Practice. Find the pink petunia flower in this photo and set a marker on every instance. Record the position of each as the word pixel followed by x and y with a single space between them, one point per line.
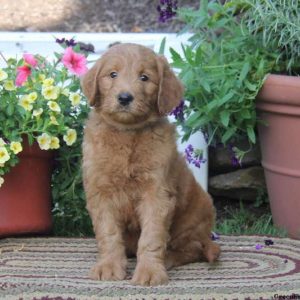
pixel 74 62
pixel 22 74
pixel 30 60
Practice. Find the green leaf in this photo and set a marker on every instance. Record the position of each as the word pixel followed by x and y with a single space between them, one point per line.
pixel 203 7
pixel 57 55
pixel 212 104
pixel 175 56
pixel 30 139
pixel 244 72
pixel 228 134
pixel 10 109
pixel 225 117
pixel 245 114
pixel 251 134
pixel 3 101
pixel 193 118
pixel 226 98
pixel 198 56
pixel 250 86
pixel 162 46
pixel 205 85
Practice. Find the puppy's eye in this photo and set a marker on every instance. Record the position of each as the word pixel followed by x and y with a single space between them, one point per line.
pixel 144 77
pixel 113 74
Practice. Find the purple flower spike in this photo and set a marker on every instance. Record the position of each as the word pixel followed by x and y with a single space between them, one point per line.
pixel 167 10
pixel 234 160
pixel 189 153
pixel 71 43
pixel 258 246
pixel 178 113
pixel 194 157
pixel 68 43
pixel 215 236
pixel 197 163
pixel 190 148
pixel 60 41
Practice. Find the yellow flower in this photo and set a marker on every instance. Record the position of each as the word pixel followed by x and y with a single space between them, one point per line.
pixel 25 103
pixel 75 99
pixel 70 137
pixel 3 75
pixel 44 141
pixel 48 82
pixel 4 156
pixel 32 97
pixel 54 144
pixel 16 147
pixel 53 120
pixel 66 92
pixel 1 181
pixel 9 85
pixel 42 77
pixel 2 143
pixel 37 112
pixel 54 106
pixel 50 92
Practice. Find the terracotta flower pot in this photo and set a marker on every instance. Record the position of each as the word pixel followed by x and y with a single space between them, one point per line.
pixel 25 196
pixel 279 106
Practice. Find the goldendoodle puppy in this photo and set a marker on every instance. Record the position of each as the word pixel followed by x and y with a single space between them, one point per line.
pixel 141 196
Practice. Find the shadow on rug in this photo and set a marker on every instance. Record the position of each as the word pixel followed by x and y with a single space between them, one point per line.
pixel 56 268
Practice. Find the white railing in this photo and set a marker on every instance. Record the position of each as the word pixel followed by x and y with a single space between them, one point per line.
pixel 12 43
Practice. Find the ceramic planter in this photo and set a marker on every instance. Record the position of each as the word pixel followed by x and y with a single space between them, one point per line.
pixel 25 196
pixel 279 106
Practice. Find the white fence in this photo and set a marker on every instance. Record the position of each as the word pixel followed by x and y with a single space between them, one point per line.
pixel 13 44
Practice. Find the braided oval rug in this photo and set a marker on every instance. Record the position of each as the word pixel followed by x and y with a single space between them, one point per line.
pixel 57 268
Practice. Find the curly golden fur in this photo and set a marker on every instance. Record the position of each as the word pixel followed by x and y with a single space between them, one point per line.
pixel 142 198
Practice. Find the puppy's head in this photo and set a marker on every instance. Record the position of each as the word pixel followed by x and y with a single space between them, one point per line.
pixel 131 85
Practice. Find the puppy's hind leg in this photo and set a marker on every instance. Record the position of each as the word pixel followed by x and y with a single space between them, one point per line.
pixel 192 251
pixel 211 251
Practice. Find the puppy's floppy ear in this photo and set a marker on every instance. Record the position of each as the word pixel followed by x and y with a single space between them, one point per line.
pixel 89 84
pixel 171 90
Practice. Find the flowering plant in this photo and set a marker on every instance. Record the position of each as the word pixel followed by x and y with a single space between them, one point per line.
pixel 40 100
pixel 234 44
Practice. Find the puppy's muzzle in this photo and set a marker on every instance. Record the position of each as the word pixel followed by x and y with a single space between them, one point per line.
pixel 125 98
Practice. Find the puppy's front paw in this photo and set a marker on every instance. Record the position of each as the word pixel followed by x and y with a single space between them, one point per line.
pixel 107 271
pixel 150 274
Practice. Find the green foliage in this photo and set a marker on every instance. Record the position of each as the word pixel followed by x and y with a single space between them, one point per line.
pixel 70 215
pixel 262 198
pixel 278 24
pixel 242 221
pixel 224 66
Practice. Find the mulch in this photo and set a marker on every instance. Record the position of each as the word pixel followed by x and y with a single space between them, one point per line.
pixel 86 16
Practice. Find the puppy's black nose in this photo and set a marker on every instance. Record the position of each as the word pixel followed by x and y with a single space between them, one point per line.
pixel 125 98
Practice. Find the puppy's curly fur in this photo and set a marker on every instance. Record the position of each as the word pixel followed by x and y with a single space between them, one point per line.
pixel 141 196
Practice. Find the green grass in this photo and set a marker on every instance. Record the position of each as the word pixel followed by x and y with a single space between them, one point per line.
pixel 241 221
